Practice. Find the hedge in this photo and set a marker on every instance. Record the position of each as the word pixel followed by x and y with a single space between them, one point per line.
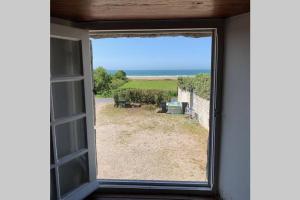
pixel 144 96
pixel 200 84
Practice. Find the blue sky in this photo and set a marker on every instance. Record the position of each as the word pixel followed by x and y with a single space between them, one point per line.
pixel 160 53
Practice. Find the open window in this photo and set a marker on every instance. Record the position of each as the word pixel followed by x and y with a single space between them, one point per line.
pixel 72 168
pixel 203 107
pixel 73 150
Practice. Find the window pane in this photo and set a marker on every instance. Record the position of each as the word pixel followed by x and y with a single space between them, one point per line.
pixel 66 57
pixel 68 98
pixel 53 194
pixel 70 137
pixel 73 174
pixel 51 148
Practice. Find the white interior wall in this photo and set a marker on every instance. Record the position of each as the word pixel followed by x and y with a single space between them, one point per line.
pixel 234 174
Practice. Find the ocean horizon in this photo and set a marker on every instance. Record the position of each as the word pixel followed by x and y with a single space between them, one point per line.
pixel 146 73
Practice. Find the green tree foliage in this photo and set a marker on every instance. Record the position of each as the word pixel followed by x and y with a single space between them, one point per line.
pixel 120 74
pixel 118 79
pixel 116 83
pixel 102 80
pixel 104 83
pixel 200 84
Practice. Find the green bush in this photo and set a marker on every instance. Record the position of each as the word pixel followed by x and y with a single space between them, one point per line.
pixel 144 96
pixel 105 94
pixel 186 83
pixel 115 83
pixel 102 81
pixel 200 84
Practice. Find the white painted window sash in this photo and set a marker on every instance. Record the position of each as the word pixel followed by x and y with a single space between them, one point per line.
pixel 75 34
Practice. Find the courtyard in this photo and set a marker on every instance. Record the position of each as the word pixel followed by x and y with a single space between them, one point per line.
pixel 143 144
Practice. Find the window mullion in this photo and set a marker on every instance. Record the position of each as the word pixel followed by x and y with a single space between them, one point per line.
pixel 71 156
pixel 54 146
pixel 68 119
pixel 66 79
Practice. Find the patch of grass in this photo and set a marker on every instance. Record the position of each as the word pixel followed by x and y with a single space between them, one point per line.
pixel 152 84
pixel 111 111
pixel 146 117
pixel 149 107
pixel 193 127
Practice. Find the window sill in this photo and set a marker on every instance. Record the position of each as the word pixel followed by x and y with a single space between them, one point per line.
pixel 111 196
pixel 154 188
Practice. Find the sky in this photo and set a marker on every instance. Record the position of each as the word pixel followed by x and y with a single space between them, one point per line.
pixel 160 53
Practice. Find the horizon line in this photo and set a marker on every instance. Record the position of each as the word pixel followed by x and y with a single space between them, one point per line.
pixel 155 69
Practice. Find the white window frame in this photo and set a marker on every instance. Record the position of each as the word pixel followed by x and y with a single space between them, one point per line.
pixel 75 34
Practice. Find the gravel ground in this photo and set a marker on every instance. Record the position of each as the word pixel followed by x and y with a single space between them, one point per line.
pixel 140 144
pixel 104 100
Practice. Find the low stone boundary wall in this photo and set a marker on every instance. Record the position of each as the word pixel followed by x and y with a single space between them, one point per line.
pixel 199 106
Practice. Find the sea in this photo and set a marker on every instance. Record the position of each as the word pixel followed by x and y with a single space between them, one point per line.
pixel 181 72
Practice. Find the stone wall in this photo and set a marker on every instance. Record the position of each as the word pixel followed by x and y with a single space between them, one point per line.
pixel 199 106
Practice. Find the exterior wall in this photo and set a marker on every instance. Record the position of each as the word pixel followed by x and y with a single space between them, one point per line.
pixel 234 170
pixel 200 106
pixel 183 96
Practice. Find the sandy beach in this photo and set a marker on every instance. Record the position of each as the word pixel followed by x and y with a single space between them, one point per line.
pixel 156 77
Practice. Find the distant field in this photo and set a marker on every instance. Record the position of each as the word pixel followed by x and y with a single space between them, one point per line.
pixel 152 84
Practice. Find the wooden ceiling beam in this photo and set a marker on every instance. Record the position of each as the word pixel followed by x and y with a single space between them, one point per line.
pixel 103 10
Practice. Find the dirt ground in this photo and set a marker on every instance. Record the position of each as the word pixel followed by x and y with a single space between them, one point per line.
pixel 141 144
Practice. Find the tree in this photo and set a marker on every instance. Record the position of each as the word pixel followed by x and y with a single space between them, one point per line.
pixel 116 83
pixel 102 80
pixel 120 74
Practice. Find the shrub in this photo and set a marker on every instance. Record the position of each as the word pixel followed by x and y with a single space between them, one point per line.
pixel 105 94
pixel 144 96
pixel 186 83
pixel 200 84
pixel 115 83
pixel 102 80
pixel 104 83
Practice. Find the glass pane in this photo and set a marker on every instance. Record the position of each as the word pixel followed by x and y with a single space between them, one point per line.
pixel 51 148
pixel 70 137
pixel 53 194
pixel 73 174
pixel 68 98
pixel 66 59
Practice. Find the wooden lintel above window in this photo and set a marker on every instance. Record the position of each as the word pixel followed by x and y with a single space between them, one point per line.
pixel 103 10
